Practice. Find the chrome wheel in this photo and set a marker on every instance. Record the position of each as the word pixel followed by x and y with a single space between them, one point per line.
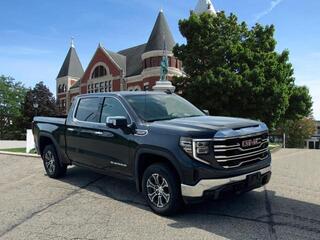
pixel 158 190
pixel 49 161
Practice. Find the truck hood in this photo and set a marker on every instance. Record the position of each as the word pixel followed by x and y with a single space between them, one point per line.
pixel 208 124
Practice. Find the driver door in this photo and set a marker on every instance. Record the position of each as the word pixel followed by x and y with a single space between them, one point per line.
pixel 113 144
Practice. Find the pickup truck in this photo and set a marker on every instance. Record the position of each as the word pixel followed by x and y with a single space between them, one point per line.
pixel 174 152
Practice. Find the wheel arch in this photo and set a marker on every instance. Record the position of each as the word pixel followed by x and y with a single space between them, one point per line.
pixel 148 156
pixel 46 139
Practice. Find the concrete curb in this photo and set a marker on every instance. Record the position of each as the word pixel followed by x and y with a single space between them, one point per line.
pixel 20 154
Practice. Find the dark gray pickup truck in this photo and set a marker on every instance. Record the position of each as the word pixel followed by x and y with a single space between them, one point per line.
pixel 174 152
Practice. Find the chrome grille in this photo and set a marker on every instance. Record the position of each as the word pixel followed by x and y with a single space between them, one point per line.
pixel 241 151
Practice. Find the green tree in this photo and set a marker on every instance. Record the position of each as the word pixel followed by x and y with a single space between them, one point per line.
pixel 300 103
pixel 235 71
pixel 297 131
pixel 45 100
pixel 12 94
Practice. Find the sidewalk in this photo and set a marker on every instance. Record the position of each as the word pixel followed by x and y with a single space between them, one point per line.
pixel 4 144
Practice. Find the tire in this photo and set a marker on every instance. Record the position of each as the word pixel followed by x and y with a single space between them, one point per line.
pixel 52 164
pixel 162 195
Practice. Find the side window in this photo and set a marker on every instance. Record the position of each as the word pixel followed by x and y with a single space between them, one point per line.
pixel 88 110
pixel 112 108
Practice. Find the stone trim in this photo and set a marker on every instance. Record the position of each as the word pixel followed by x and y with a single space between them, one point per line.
pixel 155 72
pixel 137 78
pixel 96 65
pixel 156 53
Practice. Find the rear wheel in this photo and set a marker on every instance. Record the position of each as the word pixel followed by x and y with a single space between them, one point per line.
pixel 161 189
pixel 52 164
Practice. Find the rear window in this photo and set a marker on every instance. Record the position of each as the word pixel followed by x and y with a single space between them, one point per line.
pixel 88 110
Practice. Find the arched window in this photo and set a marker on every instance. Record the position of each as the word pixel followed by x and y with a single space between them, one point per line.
pixel 59 89
pixel 99 71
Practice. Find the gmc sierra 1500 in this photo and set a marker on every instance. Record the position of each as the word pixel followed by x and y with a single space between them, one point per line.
pixel 173 151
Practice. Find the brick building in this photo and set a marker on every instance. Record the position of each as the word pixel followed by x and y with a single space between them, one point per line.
pixel 314 141
pixel 132 69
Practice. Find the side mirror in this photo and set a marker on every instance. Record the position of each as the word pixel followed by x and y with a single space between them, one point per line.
pixel 117 122
pixel 206 112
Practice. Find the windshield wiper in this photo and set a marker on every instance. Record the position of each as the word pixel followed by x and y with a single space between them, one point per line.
pixel 194 116
pixel 165 119
pixel 160 119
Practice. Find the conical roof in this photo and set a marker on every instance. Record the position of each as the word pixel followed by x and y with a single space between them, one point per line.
pixel 204 6
pixel 160 34
pixel 71 65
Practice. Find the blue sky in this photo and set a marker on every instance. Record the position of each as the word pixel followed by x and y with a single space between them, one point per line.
pixel 35 34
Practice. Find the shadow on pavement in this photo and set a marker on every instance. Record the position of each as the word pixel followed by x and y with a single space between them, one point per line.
pixel 258 214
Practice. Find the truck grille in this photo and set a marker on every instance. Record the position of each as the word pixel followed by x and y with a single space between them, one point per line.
pixel 241 151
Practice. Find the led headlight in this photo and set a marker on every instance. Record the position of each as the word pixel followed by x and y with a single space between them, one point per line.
pixel 195 148
pixel 186 144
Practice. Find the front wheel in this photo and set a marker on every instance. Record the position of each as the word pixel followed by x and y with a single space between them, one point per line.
pixel 51 163
pixel 161 189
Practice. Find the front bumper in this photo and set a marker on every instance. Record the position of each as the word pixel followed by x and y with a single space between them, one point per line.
pixel 209 185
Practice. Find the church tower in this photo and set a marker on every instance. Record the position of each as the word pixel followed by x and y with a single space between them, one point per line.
pixel 70 72
pixel 205 6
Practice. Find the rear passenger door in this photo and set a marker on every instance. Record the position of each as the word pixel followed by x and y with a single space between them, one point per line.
pixel 82 134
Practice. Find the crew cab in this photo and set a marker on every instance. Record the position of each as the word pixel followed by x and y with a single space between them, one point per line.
pixel 173 151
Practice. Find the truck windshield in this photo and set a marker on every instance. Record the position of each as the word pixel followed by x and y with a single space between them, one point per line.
pixel 157 107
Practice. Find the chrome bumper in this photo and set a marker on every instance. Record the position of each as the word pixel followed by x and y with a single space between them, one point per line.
pixel 212 184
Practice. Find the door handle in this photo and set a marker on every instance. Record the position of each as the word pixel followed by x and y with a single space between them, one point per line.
pixel 98 133
pixel 71 129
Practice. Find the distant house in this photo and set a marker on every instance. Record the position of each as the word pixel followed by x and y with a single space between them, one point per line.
pixel 314 141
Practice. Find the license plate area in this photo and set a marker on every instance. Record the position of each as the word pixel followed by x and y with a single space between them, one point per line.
pixel 254 180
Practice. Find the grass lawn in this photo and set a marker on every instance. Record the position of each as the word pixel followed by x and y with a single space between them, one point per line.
pixel 273 146
pixel 17 150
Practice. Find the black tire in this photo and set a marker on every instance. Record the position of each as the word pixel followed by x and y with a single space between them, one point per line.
pixel 169 183
pixel 52 164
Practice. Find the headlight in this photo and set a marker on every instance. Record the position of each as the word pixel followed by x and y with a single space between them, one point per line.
pixel 186 144
pixel 202 148
pixel 195 148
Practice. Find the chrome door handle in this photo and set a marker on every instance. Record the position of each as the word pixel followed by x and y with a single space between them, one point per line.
pixel 71 129
pixel 98 133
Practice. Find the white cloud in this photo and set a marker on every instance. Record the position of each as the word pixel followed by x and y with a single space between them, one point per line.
pixel 273 4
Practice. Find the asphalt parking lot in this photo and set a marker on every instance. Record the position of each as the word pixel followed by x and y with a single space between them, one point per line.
pixel 86 205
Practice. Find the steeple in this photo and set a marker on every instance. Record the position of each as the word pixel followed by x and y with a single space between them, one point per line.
pixel 72 43
pixel 160 31
pixel 71 66
pixel 205 6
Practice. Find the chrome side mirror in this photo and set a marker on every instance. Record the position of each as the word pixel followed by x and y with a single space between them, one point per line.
pixel 117 122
